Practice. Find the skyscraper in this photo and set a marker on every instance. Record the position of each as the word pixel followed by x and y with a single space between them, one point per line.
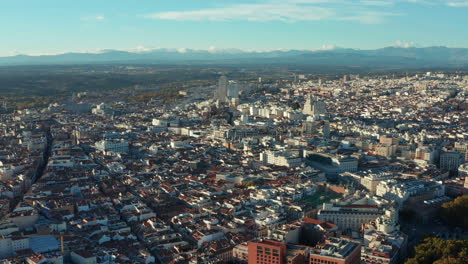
pixel 308 106
pixel 314 107
pixel 221 93
pixel 233 90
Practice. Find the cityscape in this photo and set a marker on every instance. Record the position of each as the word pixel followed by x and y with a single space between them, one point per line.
pixel 250 155
pixel 350 170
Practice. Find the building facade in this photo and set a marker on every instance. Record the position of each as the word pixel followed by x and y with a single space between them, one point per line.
pixel 267 252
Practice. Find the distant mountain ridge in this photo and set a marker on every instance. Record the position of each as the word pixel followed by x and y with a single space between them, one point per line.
pixel 411 57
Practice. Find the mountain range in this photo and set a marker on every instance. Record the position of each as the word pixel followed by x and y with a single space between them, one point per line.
pixel 389 57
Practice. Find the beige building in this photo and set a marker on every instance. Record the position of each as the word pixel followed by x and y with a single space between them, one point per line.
pixel 348 216
pixel 387 151
pixel 462 147
pixel 370 181
pixel 388 140
pixel 240 253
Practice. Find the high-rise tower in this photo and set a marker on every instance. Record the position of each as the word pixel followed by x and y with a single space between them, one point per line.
pixel 233 90
pixel 221 93
pixel 314 107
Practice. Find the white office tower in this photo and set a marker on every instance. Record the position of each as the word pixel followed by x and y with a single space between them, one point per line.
pixel 308 106
pixel 221 93
pixel 233 93
pixel 233 90
pixel 314 108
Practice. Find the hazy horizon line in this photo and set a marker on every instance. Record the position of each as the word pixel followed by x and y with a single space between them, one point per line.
pixel 212 49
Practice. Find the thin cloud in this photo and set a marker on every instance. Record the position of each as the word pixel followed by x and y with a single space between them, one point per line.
pixel 285 11
pixel 328 47
pixel 458 3
pixel 93 18
pixel 251 12
pixel 451 3
pixel 402 44
pixel 376 3
pixel 368 17
pixel 361 11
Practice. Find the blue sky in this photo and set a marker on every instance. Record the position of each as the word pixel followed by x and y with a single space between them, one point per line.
pixel 56 26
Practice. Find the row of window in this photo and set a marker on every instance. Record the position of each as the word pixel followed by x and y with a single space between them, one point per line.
pixel 321 261
pixel 267 249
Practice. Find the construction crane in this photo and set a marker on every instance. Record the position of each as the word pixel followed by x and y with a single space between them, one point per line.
pixel 62 243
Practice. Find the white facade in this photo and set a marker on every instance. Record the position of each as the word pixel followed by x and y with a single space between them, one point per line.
pixel 288 159
pixel 346 164
pixel 117 146
pixel 9 245
pixel 401 191
pixel 348 218
pixel 372 180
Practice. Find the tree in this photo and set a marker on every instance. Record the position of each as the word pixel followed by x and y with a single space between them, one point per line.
pixel 440 251
pixel 449 260
pixel 455 212
pixel 249 183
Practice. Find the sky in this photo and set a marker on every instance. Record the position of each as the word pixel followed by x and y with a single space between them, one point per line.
pixel 37 27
